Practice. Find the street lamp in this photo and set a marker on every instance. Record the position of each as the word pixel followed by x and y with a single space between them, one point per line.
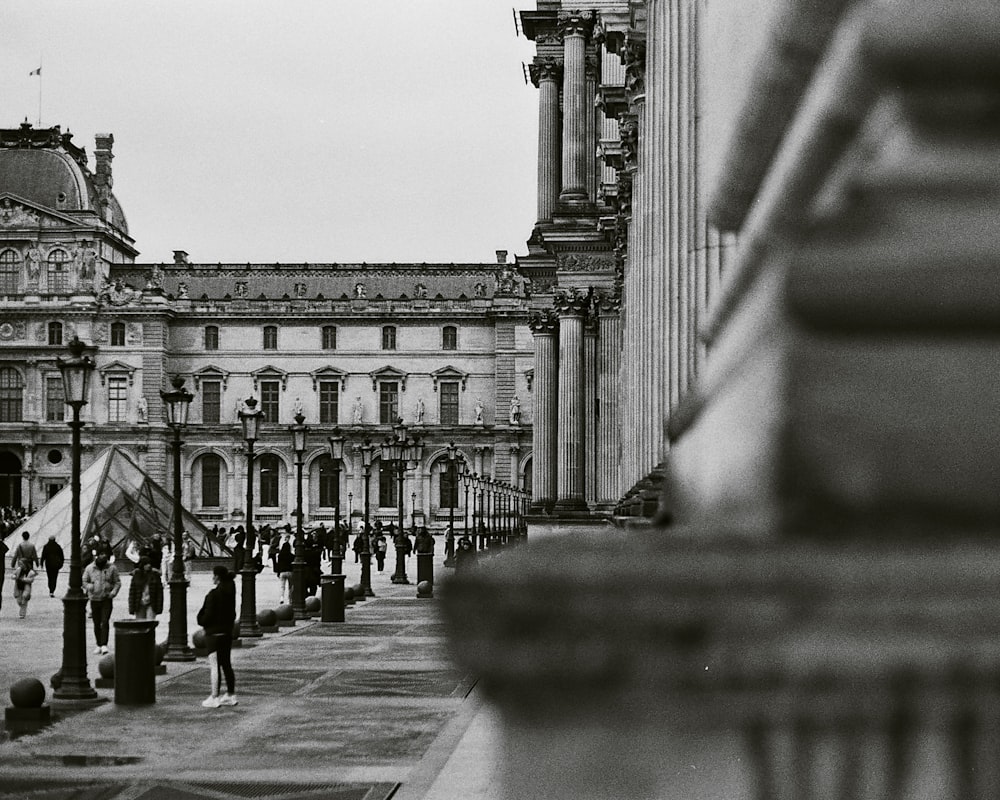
pixel 367 455
pixel 400 449
pixel 298 431
pixel 337 457
pixel 449 547
pixel 176 404
pixel 413 511
pixel 76 371
pixel 467 483
pixel 250 419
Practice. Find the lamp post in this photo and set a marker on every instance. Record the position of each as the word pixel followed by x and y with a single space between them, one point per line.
pixel 76 371
pixel 483 480
pixel 399 449
pixel 466 482
pixel 413 511
pixel 250 419
pixel 298 431
pixel 176 403
pixel 449 548
pixel 337 456
pixel 367 454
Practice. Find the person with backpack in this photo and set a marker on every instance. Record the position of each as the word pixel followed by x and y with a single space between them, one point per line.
pixel 217 617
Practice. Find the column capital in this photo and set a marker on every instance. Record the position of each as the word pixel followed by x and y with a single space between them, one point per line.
pixel 576 23
pixel 545 69
pixel 608 304
pixel 628 131
pixel 634 59
pixel 545 323
pixel 575 304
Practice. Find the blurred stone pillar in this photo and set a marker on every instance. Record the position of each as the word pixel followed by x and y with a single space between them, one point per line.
pixel 544 328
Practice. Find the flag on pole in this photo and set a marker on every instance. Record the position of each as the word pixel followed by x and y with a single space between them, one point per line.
pixel 35 72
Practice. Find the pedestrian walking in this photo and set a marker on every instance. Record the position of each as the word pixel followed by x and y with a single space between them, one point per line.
pixel 381 548
pixel 283 566
pixel 102 584
pixel 465 554
pixel 23 579
pixel 239 552
pixel 3 567
pixel 358 546
pixel 52 559
pixel 217 617
pixel 25 551
pixel 145 592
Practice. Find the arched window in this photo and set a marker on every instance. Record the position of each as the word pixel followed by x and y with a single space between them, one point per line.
pixel 55 333
pixel 270 337
pixel 211 481
pixel 329 337
pixel 389 337
pixel 10 271
pixel 269 480
pixel 211 337
pixel 57 272
pixel 449 337
pixel 329 485
pixel 117 334
pixel 11 395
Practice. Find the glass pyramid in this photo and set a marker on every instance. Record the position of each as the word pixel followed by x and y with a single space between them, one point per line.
pixel 121 502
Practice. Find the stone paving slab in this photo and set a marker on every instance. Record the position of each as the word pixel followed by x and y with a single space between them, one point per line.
pixel 47 790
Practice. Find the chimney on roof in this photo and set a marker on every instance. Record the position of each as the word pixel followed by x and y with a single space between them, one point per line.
pixel 501 256
pixel 102 157
pixel 180 257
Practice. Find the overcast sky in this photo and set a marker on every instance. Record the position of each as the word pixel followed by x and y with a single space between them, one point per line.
pixel 314 130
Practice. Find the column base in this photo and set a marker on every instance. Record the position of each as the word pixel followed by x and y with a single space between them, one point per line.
pixel 574 507
pixel 179 655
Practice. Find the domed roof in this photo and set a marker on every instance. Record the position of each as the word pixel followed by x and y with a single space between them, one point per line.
pixel 44 167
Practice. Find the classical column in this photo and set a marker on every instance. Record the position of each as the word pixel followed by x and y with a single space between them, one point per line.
pixel 545 74
pixel 570 435
pixel 575 28
pixel 609 379
pixel 589 408
pixel 545 418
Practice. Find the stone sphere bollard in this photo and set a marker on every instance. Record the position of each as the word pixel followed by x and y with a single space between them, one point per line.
pixel 198 639
pixel 284 612
pixel 106 666
pixel 425 589
pixel 267 618
pixel 28 692
pixel 313 605
pixel 359 591
pixel 348 595
pixel 56 680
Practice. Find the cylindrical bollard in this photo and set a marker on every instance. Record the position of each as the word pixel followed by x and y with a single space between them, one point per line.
pixel 336 566
pixel 425 567
pixel 135 662
pixel 332 595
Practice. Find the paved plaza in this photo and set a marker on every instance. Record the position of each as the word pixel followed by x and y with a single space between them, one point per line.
pixel 369 708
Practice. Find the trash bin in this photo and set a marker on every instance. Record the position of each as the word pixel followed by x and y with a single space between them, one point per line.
pixel 425 567
pixel 332 596
pixel 135 662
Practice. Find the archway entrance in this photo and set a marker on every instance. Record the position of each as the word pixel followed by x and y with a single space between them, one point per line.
pixel 10 480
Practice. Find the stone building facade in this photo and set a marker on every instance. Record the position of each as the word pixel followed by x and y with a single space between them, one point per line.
pixel 445 347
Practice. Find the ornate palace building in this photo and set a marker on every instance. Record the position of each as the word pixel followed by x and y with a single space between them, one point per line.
pixel 445 347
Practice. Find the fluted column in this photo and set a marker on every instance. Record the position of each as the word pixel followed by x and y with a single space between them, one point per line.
pixel 570 437
pixel 609 374
pixel 589 406
pixel 546 74
pixel 575 28
pixel 545 329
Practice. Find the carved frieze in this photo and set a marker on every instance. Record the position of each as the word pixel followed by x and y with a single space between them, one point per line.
pixel 583 263
pixel 628 131
pixel 634 59
pixel 15 215
pixel 118 293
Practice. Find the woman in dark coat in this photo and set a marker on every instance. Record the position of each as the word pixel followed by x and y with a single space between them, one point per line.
pixel 217 617
pixel 145 592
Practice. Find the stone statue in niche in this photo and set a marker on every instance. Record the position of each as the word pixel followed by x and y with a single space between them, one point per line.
pixel 33 257
pixel 359 411
pixel 142 410
pixel 297 407
pixel 155 279
pixel 515 411
pixel 182 291
pixel 479 412
pixel 241 289
pixel 359 291
pixel 420 292
pixel 480 289
pixel 418 417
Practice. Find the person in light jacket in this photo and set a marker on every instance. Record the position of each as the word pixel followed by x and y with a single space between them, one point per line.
pixel 102 584
pixel 24 576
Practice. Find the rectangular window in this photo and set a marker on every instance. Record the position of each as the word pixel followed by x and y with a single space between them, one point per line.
pixel 55 400
pixel 270 338
pixel 449 487
pixel 117 399
pixel 389 337
pixel 117 334
pixel 210 482
pixel 269 401
pixel 388 497
pixel 449 402
pixel 58 275
pixel 329 400
pixel 211 402
pixel 388 402
pixel 211 338
pixel 329 337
